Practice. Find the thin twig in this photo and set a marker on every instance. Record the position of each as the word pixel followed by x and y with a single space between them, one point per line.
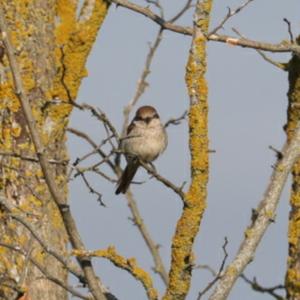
pixel 154 249
pixel 101 116
pixel 105 176
pixel 282 66
pixel 229 15
pixel 33 159
pixel 259 288
pixel 163 180
pixel 218 275
pixel 92 190
pixel 142 83
pixel 84 157
pixel 158 5
pixel 185 8
pixel 87 138
pixel 176 121
pixel 289 25
pixel 94 166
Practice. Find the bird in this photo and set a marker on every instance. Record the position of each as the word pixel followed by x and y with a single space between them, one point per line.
pixel 145 140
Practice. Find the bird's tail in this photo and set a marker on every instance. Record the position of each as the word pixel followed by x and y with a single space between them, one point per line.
pixel 127 176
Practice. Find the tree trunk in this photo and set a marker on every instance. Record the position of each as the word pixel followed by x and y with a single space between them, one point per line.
pixel 51 47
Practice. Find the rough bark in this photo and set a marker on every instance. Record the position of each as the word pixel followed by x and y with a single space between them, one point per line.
pixel 195 199
pixel 51 48
pixel 293 262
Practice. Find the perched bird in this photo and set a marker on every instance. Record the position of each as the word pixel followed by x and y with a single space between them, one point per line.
pixel 146 139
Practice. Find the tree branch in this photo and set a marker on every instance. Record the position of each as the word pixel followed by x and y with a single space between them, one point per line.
pixel 217 275
pixel 154 249
pixel 130 265
pixel 259 288
pixel 142 83
pixel 229 15
pixel 246 43
pixel 195 198
pixel 166 182
pixel 264 215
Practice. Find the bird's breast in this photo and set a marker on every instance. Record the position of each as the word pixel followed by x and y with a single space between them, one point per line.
pixel 147 144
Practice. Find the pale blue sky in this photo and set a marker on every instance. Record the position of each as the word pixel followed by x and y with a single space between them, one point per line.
pixel 247 100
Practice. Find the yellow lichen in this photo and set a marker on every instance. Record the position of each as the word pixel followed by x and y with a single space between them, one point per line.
pixel 292 275
pixel 195 199
pixel 130 265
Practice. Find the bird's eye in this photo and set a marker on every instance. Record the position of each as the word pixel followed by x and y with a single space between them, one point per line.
pixel 156 116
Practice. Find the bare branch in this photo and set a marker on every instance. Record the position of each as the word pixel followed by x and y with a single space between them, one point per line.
pixel 84 157
pixel 154 250
pixel 101 116
pixel 246 43
pixel 289 29
pixel 87 138
pixel 33 159
pixel 185 8
pixel 259 288
pixel 264 216
pixel 163 180
pixel 158 5
pixel 154 17
pixel 282 66
pixel 57 196
pixel 176 121
pixel 142 83
pixel 218 275
pixel 229 15
pixel 92 190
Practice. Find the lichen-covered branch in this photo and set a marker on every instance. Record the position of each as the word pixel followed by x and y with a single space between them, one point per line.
pixel 130 265
pixel 195 199
pixel 292 280
pixel 76 38
pixel 263 216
